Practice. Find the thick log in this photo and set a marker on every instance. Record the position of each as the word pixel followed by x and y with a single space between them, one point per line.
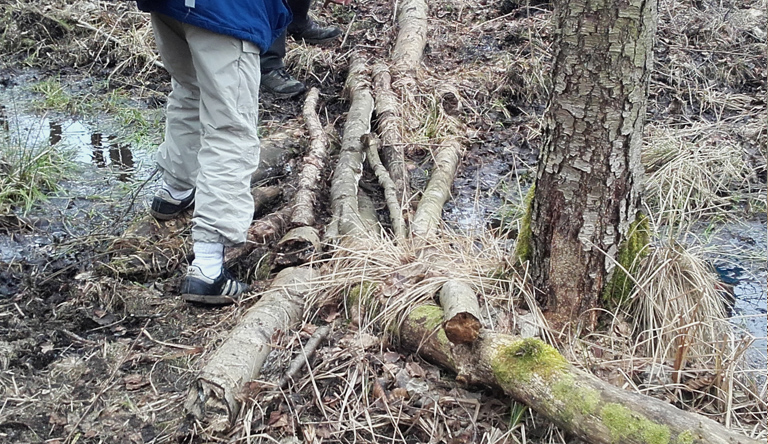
pixel 534 373
pixel 214 394
pixel 461 312
pixel 429 212
pixel 412 37
pixel 312 166
pixel 349 167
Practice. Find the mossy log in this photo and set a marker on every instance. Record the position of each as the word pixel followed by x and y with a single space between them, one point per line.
pixel 461 312
pixel 214 394
pixel 534 373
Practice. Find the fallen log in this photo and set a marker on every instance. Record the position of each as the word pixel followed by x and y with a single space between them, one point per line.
pixel 461 312
pixel 372 145
pixel 534 373
pixel 312 165
pixel 430 210
pixel 349 167
pixel 214 394
pixel 412 37
pixel 388 123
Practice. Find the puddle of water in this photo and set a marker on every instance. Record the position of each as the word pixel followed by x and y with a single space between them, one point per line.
pixel 85 144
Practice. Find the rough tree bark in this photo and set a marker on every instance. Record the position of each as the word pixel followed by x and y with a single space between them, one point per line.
pixel 587 183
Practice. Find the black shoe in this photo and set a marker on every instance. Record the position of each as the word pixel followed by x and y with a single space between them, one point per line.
pixel 223 290
pixel 165 207
pixel 315 34
pixel 281 84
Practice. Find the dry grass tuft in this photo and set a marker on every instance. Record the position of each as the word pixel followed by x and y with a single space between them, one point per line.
pixel 698 172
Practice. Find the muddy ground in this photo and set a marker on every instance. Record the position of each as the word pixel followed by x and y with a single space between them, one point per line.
pixel 96 347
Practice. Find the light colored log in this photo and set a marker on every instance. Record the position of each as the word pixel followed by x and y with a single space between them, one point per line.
pixel 429 212
pixel 349 167
pixel 461 312
pixel 372 145
pixel 312 165
pixel 214 394
pixel 412 36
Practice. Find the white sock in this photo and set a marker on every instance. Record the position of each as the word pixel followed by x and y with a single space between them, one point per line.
pixel 209 257
pixel 177 193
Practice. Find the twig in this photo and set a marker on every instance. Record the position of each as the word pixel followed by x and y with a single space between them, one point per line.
pixel 309 349
pixel 372 144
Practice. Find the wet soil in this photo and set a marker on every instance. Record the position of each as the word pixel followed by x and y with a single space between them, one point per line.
pixel 90 355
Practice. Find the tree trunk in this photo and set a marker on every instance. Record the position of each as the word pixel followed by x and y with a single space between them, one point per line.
pixel 534 373
pixel 587 184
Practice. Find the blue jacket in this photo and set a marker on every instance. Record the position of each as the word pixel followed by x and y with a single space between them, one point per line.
pixel 257 21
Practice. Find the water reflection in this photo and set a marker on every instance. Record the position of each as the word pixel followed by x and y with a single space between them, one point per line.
pixel 91 147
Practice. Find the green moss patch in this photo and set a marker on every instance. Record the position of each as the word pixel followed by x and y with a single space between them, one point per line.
pixel 520 360
pixel 631 251
pixel 623 425
pixel 576 401
pixel 523 246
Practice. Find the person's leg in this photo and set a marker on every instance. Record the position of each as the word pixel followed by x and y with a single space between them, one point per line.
pixel 228 77
pixel 304 28
pixel 274 77
pixel 177 155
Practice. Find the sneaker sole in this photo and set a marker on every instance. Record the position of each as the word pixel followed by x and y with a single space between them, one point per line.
pixel 164 216
pixel 208 299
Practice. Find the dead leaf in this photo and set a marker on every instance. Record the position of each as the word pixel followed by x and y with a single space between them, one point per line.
pixel 135 382
pixel 415 370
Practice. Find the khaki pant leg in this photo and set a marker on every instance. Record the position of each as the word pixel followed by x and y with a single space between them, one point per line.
pixel 228 77
pixel 177 155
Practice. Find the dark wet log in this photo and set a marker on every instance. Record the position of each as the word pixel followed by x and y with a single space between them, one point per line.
pixel 214 393
pixel 534 373
pixel 264 198
pixel 266 229
pixel 462 312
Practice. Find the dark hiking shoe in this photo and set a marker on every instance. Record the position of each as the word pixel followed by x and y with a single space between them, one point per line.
pixel 281 84
pixel 315 34
pixel 199 288
pixel 165 207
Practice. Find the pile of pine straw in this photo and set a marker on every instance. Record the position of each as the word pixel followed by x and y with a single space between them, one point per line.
pixel 705 157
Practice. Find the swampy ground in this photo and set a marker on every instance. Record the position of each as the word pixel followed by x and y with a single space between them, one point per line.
pixel 95 346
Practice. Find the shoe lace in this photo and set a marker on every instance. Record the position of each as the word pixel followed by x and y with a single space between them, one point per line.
pixel 283 74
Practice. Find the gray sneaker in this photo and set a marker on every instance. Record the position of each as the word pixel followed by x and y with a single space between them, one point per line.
pixel 281 84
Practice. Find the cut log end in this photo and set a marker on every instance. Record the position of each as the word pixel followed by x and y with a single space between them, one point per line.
pixel 463 328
